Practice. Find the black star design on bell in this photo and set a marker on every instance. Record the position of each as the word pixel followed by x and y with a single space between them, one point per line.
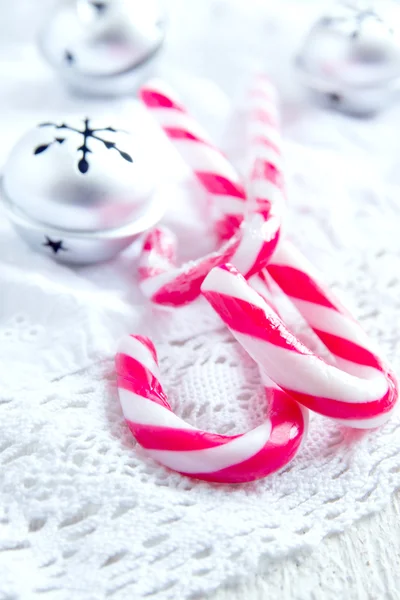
pixel 69 57
pixel 99 6
pixel 334 98
pixel 54 245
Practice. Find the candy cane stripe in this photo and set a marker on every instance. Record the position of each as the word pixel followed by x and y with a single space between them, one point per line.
pixel 156 99
pixel 206 153
pixel 180 439
pixel 258 231
pixel 263 324
pixel 251 229
pixel 265 116
pixel 348 350
pixel 299 285
pixel 170 120
pixel 304 376
pixel 289 266
pixel 178 133
pixel 263 143
pixel 337 323
pixel 338 409
pixel 135 345
pixel 211 456
pixel 180 285
pixel 143 380
pixel 214 459
pixel 142 410
pixel 300 372
pixel 270 135
pixel 220 185
pixel 270 154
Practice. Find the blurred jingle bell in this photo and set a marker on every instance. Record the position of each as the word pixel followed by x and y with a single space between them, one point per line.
pixel 79 191
pixel 351 58
pixel 104 47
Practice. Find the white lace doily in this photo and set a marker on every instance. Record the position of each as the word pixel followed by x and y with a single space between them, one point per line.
pixel 84 513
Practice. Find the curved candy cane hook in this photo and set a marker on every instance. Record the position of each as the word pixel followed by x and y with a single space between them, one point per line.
pixel 251 230
pixel 193 452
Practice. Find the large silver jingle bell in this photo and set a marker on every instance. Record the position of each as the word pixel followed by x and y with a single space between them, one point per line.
pixel 351 58
pixel 104 47
pixel 79 191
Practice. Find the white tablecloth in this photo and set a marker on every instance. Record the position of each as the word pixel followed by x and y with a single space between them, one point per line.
pixel 83 512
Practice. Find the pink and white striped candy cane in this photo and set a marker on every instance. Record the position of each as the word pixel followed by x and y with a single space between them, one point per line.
pixel 360 391
pixel 333 324
pixel 251 241
pixel 165 283
pixel 202 454
pixel 265 178
pixel 212 169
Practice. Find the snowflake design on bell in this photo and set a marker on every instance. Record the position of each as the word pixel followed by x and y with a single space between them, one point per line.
pixel 355 22
pixel 80 190
pixel 87 132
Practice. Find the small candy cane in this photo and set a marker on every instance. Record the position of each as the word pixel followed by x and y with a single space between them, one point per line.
pixel 214 172
pixel 251 244
pixel 359 392
pixel 193 452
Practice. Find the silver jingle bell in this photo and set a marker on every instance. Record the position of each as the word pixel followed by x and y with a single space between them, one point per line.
pixel 79 191
pixel 351 58
pixel 104 47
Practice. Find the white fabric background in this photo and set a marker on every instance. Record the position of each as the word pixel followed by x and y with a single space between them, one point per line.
pixel 83 512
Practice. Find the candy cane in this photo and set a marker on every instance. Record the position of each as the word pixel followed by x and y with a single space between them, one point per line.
pixel 208 164
pixel 167 284
pixel 193 452
pixel 265 179
pixel 250 245
pixel 329 320
pixel 360 391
